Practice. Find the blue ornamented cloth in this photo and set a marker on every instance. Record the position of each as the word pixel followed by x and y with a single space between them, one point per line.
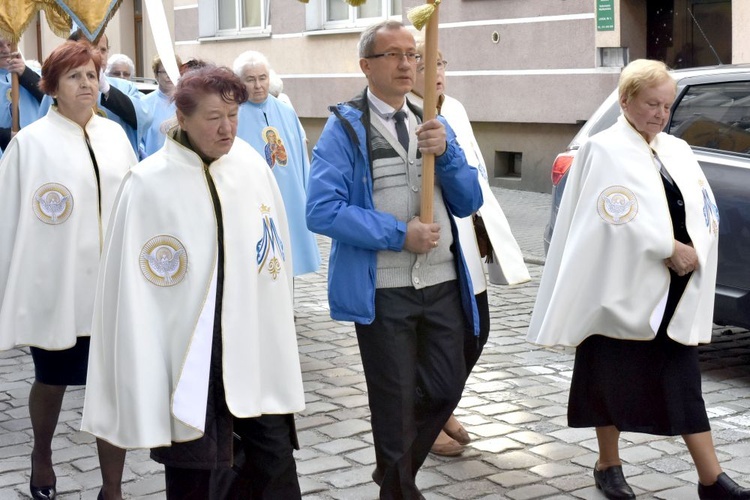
pixel 27 104
pixel 162 111
pixel 274 130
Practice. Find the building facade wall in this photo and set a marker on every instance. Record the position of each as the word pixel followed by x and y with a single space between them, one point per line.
pixel 528 73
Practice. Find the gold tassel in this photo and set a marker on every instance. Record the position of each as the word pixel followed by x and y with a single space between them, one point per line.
pixel 355 3
pixel 420 15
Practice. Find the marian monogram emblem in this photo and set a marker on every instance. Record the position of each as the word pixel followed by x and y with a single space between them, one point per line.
pixel 52 203
pixel 163 260
pixel 617 205
pixel 269 247
pixel 710 211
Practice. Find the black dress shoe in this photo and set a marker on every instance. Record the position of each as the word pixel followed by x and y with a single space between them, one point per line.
pixel 41 492
pixel 723 488
pixel 612 483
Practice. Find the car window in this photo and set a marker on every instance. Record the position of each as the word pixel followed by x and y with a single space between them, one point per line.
pixel 715 116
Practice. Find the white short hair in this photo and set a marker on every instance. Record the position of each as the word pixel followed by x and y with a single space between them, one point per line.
pixel 277 86
pixel 117 59
pixel 249 58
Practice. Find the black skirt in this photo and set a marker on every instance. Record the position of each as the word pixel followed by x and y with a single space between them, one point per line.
pixel 652 386
pixel 66 367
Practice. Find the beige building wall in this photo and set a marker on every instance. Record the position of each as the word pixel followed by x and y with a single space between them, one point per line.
pixel 528 73
pixel 740 31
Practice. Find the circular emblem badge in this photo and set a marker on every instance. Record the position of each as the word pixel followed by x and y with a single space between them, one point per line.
pixel 617 205
pixel 52 203
pixel 163 260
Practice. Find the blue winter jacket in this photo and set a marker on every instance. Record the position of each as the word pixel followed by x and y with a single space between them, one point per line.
pixel 340 205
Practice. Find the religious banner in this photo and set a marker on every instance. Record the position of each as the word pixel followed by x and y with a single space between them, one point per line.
pixel 15 15
pixel 90 15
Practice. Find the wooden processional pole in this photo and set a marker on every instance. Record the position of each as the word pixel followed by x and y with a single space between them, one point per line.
pixel 421 16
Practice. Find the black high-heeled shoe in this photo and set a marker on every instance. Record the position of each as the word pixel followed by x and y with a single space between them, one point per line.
pixel 41 492
pixel 723 489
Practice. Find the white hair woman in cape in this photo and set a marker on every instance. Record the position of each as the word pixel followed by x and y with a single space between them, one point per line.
pixel 629 280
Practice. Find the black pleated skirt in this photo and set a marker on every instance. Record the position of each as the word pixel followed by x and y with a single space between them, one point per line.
pixel 652 386
pixel 66 367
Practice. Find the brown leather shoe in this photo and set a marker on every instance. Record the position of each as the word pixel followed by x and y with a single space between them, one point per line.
pixel 455 430
pixel 445 446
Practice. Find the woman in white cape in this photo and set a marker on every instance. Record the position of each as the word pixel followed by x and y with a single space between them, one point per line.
pixel 629 280
pixel 58 181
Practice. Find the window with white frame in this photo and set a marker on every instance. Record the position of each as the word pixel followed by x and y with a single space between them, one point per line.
pixel 333 14
pixel 220 18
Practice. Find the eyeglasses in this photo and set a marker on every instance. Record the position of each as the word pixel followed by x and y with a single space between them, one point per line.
pixel 161 72
pixel 120 74
pixel 396 56
pixel 440 66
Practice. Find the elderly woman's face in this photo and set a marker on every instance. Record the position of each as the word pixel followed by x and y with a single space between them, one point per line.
pixel 256 79
pixel 162 78
pixel 439 81
pixel 212 127
pixel 77 89
pixel 648 110
pixel 120 70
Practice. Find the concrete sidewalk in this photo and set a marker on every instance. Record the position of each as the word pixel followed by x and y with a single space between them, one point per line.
pixel 514 407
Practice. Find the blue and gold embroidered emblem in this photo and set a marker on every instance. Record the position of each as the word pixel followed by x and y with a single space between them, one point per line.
pixel 52 203
pixel 710 211
pixel 617 205
pixel 163 260
pixel 269 247
pixel 274 150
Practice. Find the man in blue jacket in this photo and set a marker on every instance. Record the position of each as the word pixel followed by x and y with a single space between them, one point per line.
pixel 403 282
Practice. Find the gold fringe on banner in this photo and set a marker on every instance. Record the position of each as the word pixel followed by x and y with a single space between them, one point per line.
pixel 304 1
pixel 57 20
pixel 355 3
pixel 15 18
pixel 420 15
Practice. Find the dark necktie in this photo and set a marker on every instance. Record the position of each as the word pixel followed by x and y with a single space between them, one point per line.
pixel 401 132
pixel 662 169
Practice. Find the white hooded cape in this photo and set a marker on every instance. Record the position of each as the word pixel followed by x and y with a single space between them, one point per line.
pixel 151 339
pixel 49 252
pixel 605 271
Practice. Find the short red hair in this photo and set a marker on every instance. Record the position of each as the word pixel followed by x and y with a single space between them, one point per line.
pixel 210 79
pixel 65 57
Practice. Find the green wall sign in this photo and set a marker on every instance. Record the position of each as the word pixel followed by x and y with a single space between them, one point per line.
pixel 605 15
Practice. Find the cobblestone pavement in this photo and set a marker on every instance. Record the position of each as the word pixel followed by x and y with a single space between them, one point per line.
pixel 514 407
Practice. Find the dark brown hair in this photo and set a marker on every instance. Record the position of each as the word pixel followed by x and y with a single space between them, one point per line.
pixel 210 79
pixel 65 57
